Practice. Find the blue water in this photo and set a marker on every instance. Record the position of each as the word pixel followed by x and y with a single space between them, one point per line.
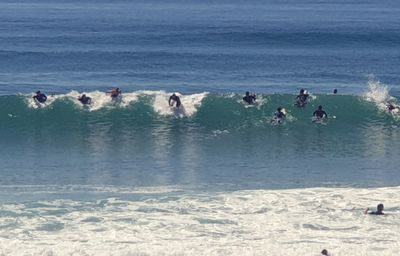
pixel 190 46
pixel 221 47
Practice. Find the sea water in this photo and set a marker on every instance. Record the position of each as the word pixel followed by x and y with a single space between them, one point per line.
pixel 214 177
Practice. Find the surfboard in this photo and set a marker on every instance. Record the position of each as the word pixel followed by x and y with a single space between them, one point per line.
pixel 318 120
pixel 276 120
pixel 40 104
pixel 117 99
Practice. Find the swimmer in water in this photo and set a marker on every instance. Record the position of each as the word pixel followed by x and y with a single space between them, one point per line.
pixel 85 100
pixel 250 99
pixel 174 98
pixel 301 99
pixel 319 113
pixel 379 210
pixel 324 252
pixel 40 97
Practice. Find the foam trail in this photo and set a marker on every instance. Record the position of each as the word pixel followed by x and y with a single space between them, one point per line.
pixel 36 105
pixel 190 104
pixel 260 101
pixel 103 100
pixel 99 100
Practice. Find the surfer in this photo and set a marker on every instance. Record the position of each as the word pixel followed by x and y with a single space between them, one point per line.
pixel 379 210
pixel 279 116
pixel 392 108
pixel 85 100
pixel 319 113
pixel 301 99
pixel 40 97
pixel 174 98
pixel 250 99
pixel 335 91
pixel 115 93
pixel 324 252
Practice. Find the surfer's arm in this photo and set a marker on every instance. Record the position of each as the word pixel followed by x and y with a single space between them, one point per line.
pixel 366 211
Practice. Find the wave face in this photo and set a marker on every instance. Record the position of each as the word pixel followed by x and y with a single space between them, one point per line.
pixel 213 111
pixel 214 139
pixel 228 111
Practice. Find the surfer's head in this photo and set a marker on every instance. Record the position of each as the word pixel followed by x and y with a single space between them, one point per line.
pixel 301 91
pixel 38 92
pixel 379 208
pixel 247 93
pixel 279 109
pixel 319 107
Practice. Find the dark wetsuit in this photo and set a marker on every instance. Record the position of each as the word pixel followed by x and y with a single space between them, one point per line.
pixel 176 99
pixel 115 93
pixel 279 114
pixel 41 97
pixel 250 99
pixel 320 114
pixel 85 100
pixel 377 213
pixel 301 100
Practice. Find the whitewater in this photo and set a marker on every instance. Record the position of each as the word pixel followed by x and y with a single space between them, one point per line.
pixel 181 221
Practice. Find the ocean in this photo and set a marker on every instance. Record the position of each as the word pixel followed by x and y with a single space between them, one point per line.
pixel 216 176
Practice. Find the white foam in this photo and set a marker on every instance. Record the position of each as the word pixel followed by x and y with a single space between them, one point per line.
pixel 100 100
pixel 377 92
pixel 219 132
pixel 258 103
pixel 36 105
pixel 103 100
pixel 252 222
pixel 190 104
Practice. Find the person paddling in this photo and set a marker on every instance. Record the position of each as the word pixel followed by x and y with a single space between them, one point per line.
pixel 174 99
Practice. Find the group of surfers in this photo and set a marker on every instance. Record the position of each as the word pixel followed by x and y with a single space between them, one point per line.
pixel 279 116
pixel 300 101
pixel 115 94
